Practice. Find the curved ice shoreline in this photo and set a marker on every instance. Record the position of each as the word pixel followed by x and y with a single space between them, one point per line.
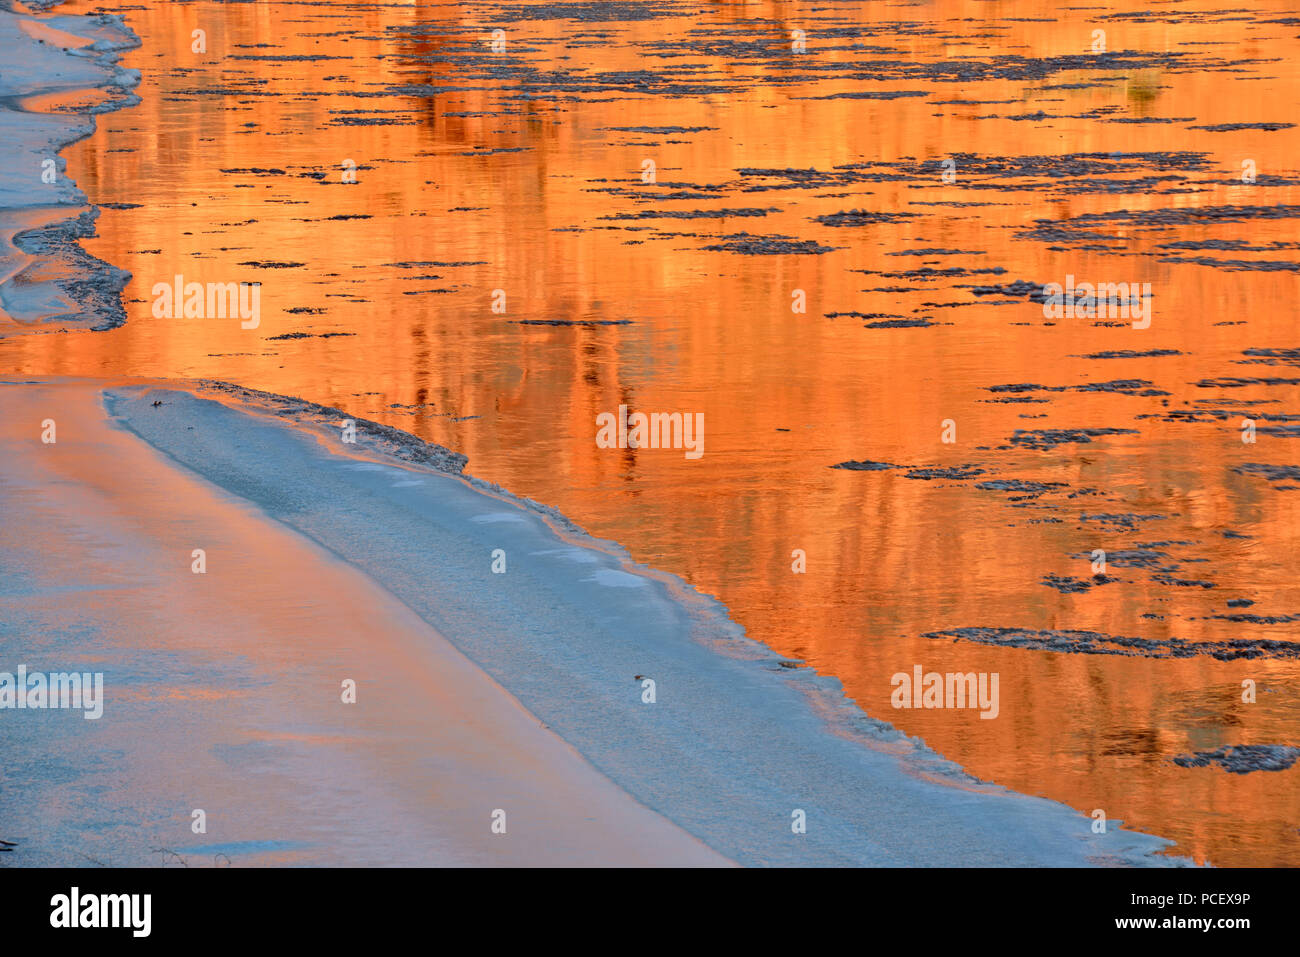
pixel 46 279
pixel 736 741
pixel 225 688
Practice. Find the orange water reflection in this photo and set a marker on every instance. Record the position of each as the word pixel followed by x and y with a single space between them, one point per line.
pixel 500 173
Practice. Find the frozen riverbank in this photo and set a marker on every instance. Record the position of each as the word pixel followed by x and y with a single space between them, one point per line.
pixel 56 73
pixel 223 691
pixel 354 560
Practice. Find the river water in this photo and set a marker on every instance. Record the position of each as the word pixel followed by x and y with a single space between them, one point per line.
pixel 911 174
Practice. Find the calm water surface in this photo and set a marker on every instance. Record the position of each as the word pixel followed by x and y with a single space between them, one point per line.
pixel 776 171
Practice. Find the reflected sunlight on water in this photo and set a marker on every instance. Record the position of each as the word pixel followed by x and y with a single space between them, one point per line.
pixel 778 171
